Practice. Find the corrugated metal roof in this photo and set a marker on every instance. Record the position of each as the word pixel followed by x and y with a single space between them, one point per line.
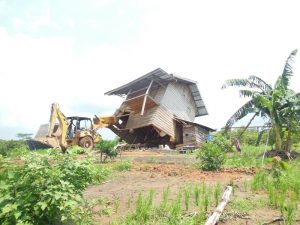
pixel 164 78
pixel 195 124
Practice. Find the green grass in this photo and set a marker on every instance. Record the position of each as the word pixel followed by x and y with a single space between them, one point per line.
pixel 180 208
pixel 283 187
pixel 246 205
pixel 249 157
pixel 123 166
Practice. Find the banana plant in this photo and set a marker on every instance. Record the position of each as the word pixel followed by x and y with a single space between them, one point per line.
pixel 276 103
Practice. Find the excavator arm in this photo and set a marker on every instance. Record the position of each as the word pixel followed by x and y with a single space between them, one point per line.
pixel 71 133
pixel 63 124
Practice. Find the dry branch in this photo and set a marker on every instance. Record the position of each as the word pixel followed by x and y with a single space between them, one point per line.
pixel 273 221
pixel 213 219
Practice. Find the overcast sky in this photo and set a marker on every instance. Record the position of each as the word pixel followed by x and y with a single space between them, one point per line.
pixel 71 52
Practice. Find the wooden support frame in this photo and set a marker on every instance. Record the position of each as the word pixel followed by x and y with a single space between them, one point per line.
pixel 128 93
pixel 158 82
pixel 145 98
pixel 133 92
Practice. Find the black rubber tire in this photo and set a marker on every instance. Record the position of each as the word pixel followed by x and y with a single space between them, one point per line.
pixel 86 142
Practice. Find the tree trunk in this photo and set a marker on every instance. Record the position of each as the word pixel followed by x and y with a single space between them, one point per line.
pixel 278 141
pixel 243 131
pixel 289 139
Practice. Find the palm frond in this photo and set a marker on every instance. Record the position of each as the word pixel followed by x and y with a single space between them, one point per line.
pixel 259 83
pixel 248 93
pixel 248 107
pixel 235 83
pixel 297 95
pixel 288 69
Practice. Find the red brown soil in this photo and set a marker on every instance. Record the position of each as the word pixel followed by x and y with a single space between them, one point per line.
pixel 169 171
pixel 151 176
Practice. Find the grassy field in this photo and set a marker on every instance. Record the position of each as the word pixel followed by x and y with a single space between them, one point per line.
pixel 154 187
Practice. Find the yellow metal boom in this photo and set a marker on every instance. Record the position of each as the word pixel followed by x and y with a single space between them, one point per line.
pixel 63 122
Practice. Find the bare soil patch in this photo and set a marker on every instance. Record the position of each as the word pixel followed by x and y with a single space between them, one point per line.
pixel 143 177
pixel 159 174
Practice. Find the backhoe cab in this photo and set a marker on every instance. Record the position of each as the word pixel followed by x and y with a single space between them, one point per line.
pixel 74 130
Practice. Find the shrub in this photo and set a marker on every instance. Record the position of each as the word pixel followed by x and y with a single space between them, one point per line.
pixel 212 156
pixel 222 142
pixel 12 147
pixel 45 189
pixel 75 149
pixel 107 147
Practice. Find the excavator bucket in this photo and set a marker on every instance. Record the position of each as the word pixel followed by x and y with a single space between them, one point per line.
pixel 42 140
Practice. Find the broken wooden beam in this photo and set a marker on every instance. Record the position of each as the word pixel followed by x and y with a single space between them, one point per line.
pixel 145 98
pixel 213 219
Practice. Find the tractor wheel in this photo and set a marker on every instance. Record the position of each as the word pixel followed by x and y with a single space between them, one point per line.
pixel 87 143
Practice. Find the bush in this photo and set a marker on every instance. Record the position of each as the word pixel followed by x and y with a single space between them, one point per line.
pixel 222 142
pixel 12 147
pixel 212 156
pixel 75 149
pixel 45 189
pixel 107 147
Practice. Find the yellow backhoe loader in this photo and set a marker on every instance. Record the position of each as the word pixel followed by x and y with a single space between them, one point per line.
pixel 74 130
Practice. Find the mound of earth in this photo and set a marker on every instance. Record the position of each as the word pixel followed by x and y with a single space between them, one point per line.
pixel 282 154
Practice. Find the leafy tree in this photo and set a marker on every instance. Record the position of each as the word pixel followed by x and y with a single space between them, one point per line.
pixel 24 136
pixel 249 136
pixel 279 103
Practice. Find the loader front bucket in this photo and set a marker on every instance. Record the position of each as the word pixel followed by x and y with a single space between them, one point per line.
pixel 42 140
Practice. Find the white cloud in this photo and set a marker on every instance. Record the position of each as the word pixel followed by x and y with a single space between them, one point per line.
pixel 44 21
pixel 70 23
pixel 205 41
pixel 38 72
pixel 18 23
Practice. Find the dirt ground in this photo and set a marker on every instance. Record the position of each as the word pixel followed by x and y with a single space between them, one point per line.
pixel 159 170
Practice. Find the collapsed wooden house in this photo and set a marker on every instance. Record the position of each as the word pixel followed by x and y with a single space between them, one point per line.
pixel 160 108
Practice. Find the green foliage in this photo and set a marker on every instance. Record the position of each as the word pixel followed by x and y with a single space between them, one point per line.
pixel 222 141
pixel 187 195
pixel 283 187
pixel 217 193
pixel 171 210
pixel 278 167
pixel 278 103
pixel 123 165
pixel 143 207
pixel 75 149
pixel 45 189
pixel 24 136
pixel 12 147
pixel 197 195
pixel 212 156
pixel 107 147
pixel 244 205
pixel 249 157
pixel 248 138
pixel 165 197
